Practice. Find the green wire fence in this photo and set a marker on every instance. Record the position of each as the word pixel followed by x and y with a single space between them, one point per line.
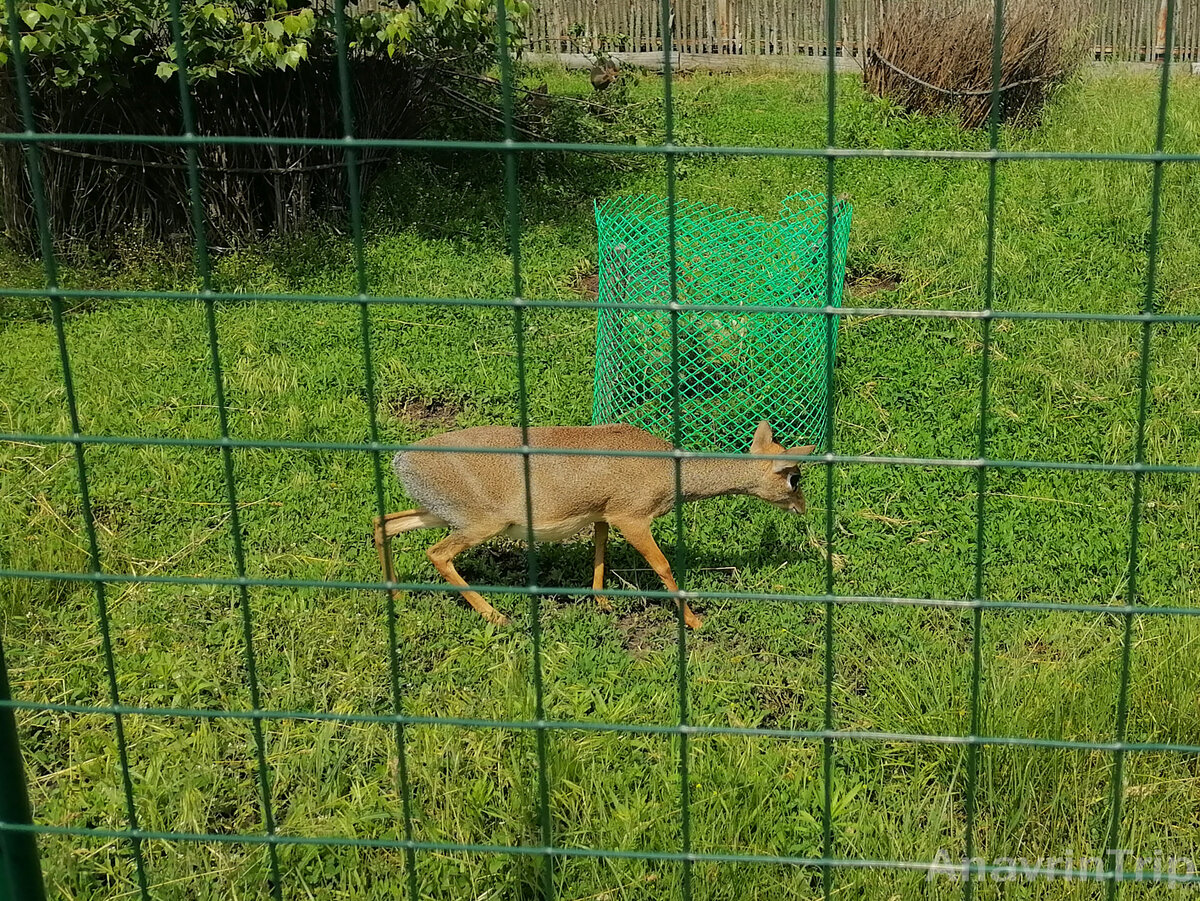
pixel 20 875
pixel 740 368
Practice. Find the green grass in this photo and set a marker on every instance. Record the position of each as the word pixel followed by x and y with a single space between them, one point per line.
pixel 1070 236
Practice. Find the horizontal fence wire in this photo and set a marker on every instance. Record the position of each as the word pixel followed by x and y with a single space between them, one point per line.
pixel 843 600
pixel 815 735
pixel 829 864
pixel 559 304
pixel 821 459
pixel 950 869
pixel 670 150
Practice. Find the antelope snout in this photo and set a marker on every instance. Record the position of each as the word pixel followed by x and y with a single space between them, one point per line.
pixel 793 506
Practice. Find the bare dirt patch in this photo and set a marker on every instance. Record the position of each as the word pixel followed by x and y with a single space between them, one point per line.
pixel 429 411
pixel 643 633
pixel 872 281
pixel 587 285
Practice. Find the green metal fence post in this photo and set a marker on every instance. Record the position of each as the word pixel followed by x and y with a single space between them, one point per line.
pixel 20 871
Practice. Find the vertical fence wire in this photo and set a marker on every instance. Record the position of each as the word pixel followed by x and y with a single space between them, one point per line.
pixel 1139 457
pixel 204 270
pixel 513 209
pixel 831 324
pixel 33 164
pixel 362 287
pixel 680 572
pixel 981 471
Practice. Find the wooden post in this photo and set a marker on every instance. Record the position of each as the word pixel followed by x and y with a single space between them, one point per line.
pixel 1160 43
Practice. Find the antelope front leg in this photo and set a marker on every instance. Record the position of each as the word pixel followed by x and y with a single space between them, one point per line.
pixel 638 534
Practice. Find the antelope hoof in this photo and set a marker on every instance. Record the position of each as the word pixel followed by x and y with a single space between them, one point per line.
pixel 691 620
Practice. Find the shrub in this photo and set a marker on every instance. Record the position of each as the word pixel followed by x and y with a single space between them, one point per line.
pixel 930 56
pixel 257 68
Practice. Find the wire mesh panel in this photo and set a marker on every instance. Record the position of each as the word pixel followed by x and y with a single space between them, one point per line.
pixel 683 329
pixel 736 367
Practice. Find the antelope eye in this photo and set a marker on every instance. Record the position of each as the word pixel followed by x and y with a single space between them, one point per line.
pixel 793 480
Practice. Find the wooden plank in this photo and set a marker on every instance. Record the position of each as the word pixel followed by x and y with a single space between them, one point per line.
pixel 821 28
pixel 843 32
pixel 1194 32
pixel 1101 30
pixel 1150 23
pixel 777 14
pixel 1135 24
pixel 1194 35
pixel 1114 37
pixel 1183 21
pixel 1160 29
pixel 805 26
pixel 864 24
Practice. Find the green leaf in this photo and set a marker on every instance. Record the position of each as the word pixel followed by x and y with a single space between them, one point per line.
pixel 128 39
pixel 275 28
pixel 28 41
pixel 293 24
pixel 46 10
pixel 165 70
pixel 31 17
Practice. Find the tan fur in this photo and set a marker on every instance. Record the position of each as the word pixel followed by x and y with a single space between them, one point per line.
pixel 483 495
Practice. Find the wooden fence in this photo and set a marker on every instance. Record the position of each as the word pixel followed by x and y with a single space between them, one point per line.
pixel 1121 29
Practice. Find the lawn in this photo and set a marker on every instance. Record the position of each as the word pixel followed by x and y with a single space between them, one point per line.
pixel 1070 235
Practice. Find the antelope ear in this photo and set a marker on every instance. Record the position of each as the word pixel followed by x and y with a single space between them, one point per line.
pixel 782 465
pixel 763 439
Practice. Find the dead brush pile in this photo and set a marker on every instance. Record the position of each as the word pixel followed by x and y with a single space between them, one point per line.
pixel 931 56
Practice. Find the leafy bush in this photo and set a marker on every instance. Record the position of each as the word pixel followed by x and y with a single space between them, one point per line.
pixel 96 42
pixel 265 68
